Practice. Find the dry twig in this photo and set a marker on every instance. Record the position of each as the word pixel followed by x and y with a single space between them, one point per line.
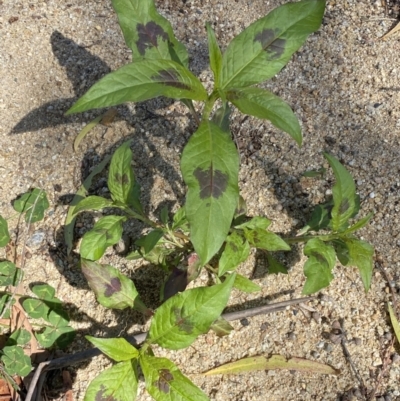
pixel 38 378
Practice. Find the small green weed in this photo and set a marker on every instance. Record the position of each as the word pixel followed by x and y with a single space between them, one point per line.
pixel 212 230
pixel 48 323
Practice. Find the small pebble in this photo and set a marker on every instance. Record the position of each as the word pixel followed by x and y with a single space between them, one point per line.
pixel 372 195
pixel 291 335
pixel 36 239
pixel 316 316
pixel 328 347
pixel 357 341
pixel 244 322
pixel 396 358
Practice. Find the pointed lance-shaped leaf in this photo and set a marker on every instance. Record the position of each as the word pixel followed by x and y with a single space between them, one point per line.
pixel 112 289
pixel 344 195
pixel 264 104
pixel 319 265
pixel 91 203
pixel 221 116
pixel 147 33
pixel 267 240
pixel 236 251
pixel 182 318
pixel 141 80
pixel 117 349
pixel 354 252
pixel 106 232
pixel 210 168
pixel 214 53
pixel 121 179
pixel 246 285
pixel 274 362
pixel 118 383
pixel 264 48
pixel 164 381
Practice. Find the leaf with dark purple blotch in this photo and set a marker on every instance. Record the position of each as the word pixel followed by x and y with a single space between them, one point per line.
pixel 112 289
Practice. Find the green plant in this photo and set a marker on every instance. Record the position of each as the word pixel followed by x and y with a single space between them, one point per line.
pixel 212 230
pixel 52 323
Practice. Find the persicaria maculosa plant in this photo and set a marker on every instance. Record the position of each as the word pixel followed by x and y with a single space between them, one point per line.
pixel 212 230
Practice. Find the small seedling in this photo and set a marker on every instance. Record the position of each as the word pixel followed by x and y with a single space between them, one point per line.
pixel 48 324
pixel 211 231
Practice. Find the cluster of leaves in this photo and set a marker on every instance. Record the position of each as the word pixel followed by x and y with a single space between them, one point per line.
pixel 210 161
pixel 53 323
pixel 212 230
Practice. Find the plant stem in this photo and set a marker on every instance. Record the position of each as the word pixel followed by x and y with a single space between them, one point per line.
pixel 305 238
pixel 209 105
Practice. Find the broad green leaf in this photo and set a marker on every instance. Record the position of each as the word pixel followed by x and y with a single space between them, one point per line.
pixel 44 291
pixel 255 222
pixel 318 267
pixel 19 337
pixel 395 323
pixel 80 194
pixel 112 289
pixel 92 203
pixel 244 284
pixel 359 224
pixel 275 362
pixel 214 53
pixel 4 234
pixel 263 49
pixel 118 383
pixel 148 34
pixel 344 195
pixel 182 318
pixel 210 168
pixel 141 80
pixel 264 104
pixel 263 239
pixel 121 179
pixel 221 116
pixel 106 232
pixel 165 382
pixel 275 267
pixel 117 349
pixel 236 251
pixel 8 273
pixel 149 241
pixel 320 218
pixel 15 361
pixel 164 215
pixel 221 327
pixel 354 252
pixel 33 203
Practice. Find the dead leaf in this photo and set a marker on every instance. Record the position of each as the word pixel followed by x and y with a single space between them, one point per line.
pixel 86 129
pixel 395 323
pixel 108 117
pixel 275 362
pixel 69 396
pixel 391 32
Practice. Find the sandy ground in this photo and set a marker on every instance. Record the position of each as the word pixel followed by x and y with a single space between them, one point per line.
pixel 344 87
